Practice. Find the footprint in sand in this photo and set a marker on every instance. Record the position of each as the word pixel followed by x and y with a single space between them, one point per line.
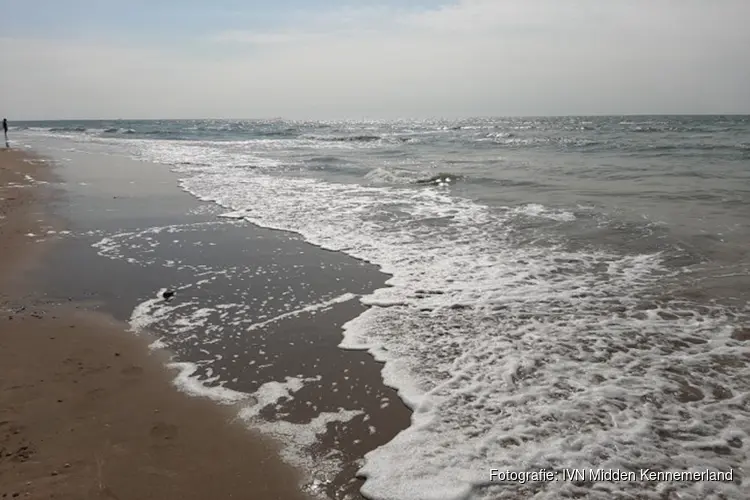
pixel 164 431
pixel 132 370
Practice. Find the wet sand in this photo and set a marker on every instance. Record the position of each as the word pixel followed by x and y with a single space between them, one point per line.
pixel 213 261
pixel 86 411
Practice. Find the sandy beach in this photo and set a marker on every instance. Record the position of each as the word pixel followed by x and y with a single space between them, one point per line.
pixel 86 411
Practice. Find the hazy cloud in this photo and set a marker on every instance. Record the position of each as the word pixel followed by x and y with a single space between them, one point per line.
pixel 261 38
pixel 470 57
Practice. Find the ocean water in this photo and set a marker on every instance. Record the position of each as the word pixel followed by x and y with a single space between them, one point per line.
pixel 565 292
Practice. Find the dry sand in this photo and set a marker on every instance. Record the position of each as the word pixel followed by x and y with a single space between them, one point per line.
pixel 85 410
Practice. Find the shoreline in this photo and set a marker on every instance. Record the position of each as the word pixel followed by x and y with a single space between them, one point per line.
pixel 120 428
pixel 124 219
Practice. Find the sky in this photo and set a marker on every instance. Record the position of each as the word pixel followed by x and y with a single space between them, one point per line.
pixel 316 59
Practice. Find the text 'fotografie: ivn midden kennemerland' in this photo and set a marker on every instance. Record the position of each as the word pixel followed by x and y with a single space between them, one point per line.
pixel 608 475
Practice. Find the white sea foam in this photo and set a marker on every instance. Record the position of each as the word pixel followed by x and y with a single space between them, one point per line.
pixel 143 243
pixel 511 356
pixel 305 310
pixel 299 439
pixel 187 383
pixel 383 175
pixel 158 345
pixel 537 210
pixel 241 214
pixel 152 311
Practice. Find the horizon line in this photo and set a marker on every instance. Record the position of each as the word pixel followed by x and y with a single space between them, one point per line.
pixel 364 118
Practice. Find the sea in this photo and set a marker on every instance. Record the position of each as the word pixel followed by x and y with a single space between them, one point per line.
pixel 563 292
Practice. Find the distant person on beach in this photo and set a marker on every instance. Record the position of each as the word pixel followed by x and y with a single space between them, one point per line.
pixel 5 130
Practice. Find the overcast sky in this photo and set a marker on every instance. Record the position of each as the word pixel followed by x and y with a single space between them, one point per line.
pixel 370 58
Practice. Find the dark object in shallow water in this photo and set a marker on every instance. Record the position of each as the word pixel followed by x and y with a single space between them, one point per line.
pixel 168 294
pixel 441 178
